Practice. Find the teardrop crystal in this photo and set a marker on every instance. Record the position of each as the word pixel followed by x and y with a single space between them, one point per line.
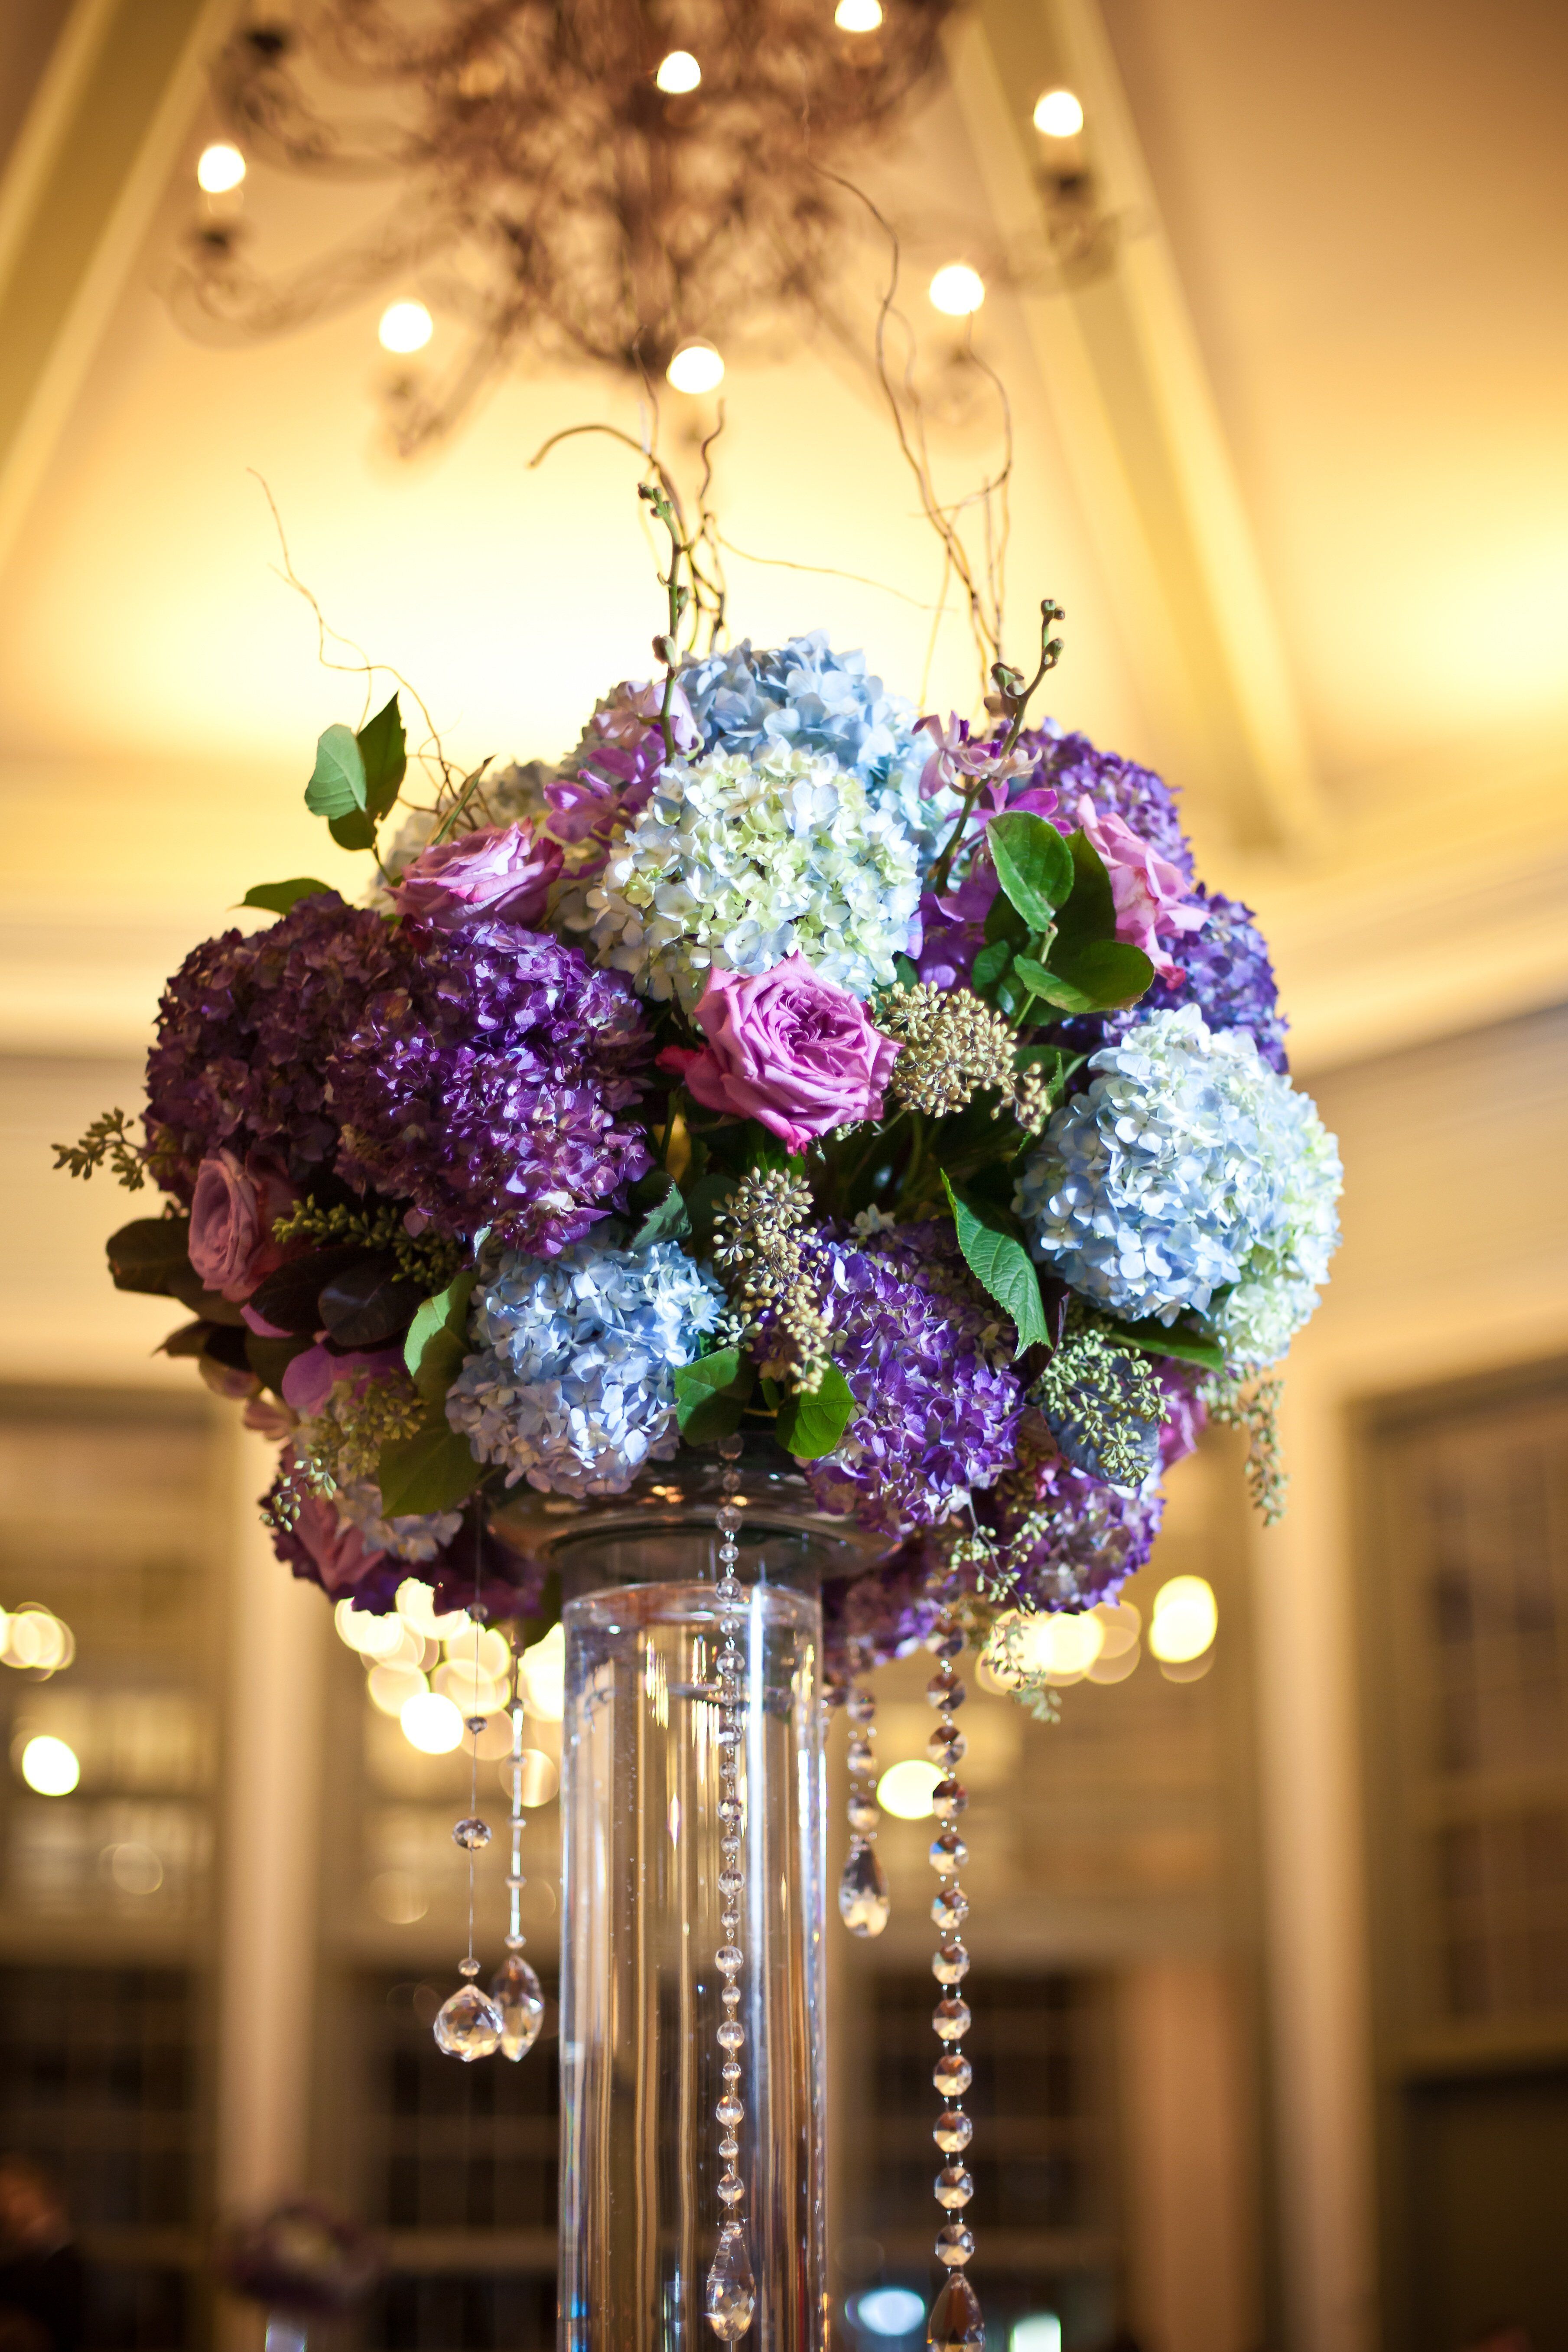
pixel 956 2324
pixel 518 1995
pixel 729 2298
pixel 468 2025
pixel 863 1902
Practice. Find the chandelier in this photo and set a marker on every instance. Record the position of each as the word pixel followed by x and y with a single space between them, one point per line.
pixel 584 180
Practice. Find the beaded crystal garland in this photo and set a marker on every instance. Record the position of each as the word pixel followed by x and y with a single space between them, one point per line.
pixel 862 1887
pixel 730 2295
pixel 954 2324
pixel 472 2023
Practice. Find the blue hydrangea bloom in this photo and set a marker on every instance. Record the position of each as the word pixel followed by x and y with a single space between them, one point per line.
pixel 572 1386
pixel 1188 1177
pixel 805 695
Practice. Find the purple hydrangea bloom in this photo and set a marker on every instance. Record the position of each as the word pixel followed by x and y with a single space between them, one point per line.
pixel 1143 801
pixel 926 1359
pixel 486 1086
pixel 886 1613
pixel 1226 974
pixel 325 1548
pixel 1069 1540
pixel 246 1029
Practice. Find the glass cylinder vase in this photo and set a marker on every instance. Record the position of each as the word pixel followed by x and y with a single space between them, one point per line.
pixel 639 1990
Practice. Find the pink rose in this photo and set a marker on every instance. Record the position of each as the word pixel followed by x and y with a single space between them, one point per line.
pixel 787 1048
pixel 310 1378
pixel 501 873
pixel 335 1548
pixel 232 1213
pixel 1150 896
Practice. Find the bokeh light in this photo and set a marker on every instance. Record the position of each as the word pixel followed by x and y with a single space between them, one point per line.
pixel 49 1767
pixel 957 290
pixel 905 1790
pixel 696 367
pixel 219 169
pixel 1186 1620
pixel 678 73
pixel 431 1723
pixel 1058 113
pixel 405 327
pixel 541 1676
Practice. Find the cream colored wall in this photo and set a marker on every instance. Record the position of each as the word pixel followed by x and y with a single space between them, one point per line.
pixel 1455 1258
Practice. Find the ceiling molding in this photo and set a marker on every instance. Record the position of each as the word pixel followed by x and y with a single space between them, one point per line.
pixel 87 173
pixel 1141 432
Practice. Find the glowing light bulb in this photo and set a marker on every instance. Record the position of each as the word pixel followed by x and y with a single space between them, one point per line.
pixel 1058 114
pixel 957 290
pixel 51 1767
pixel 678 73
pixel 695 367
pixel 905 1790
pixel 1061 1645
pixel 431 1723
pixel 405 327
pixel 1186 1620
pixel 858 15
pixel 372 1637
pixel 219 168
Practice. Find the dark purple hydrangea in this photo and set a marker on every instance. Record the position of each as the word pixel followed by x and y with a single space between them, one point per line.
pixel 1225 973
pixel 246 1029
pixel 1145 802
pixel 937 1405
pixel 871 1618
pixel 1068 1539
pixel 487 1087
pixel 325 1550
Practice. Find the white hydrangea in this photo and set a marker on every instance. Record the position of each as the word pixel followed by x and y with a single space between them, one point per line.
pixel 417 1536
pixel 737 861
pixel 573 1385
pixel 1188 1177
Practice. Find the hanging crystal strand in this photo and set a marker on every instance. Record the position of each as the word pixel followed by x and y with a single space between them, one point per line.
pixel 730 2293
pixel 468 2025
pixel 863 1904
pixel 515 1989
pixel 956 2324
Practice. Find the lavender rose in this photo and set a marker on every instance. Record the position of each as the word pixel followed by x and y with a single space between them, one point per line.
pixel 501 872
pixel 232 1211
pixel 786 1048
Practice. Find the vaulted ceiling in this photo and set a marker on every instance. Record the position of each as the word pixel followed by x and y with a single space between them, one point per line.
pixel 1296 465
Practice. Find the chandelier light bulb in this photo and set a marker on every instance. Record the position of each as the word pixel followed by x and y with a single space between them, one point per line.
pixel 696 367
pixel 405 327
pixel 858 15
pixel 1058 114
pixel 219 169
pixel 679 72
pixel 957 290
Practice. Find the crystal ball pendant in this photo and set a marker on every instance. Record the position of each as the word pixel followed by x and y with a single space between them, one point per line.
pixel 469 2025
pixel 517 1992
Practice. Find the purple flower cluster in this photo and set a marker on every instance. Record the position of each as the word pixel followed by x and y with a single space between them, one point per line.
pixel 245 1030
pixel 1142 801
pixel 324 1548
pixel 486 1086
pixel 1226 974
pixel 936 1404
pixel 884 1614
pixel 1068 1539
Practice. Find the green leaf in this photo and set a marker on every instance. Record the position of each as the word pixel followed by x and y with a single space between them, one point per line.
pixel 1107 973
pixel 990 963
pixel 664 1218
pixel 811 1426
pixel 996 1256
pixel 1090 913
pixel 337 780
pixel 431 1471
pixel 1003 921
pixel 711 1394
pixel 277 897
pixel 383 753
pixel 908 976
pixel 354 831
pixel 1156 1340
pixel 1033 865
pixel 150 1254
pixel 438 1338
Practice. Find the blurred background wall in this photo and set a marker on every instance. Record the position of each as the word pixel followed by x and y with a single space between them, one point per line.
pixel 1273 1957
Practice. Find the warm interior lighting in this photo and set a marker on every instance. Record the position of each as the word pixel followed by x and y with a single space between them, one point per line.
pixel 416 1607
pixel 1061 1645
pixel 488 1654
pixel 858 15
pixel 431 1723
pixel 1120 1625
pixel 372 1637
pixel 541 1676
pixel 1186 1620
pixel 905 1790
pixel 51 1767
pixel 957 290
pixel 405 327
pixel 135 1868
pixel 678 73
pixel 36 1639
pixel 541 1778
pixel 1058 114
pixel 695 367
pixel 470 1693
pixel 888 2311
pixel 219 168
pixel 1041 2332
pixel 391 1688
pixel 399 1898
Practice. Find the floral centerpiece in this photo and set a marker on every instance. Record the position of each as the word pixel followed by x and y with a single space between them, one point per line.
pixel 780 1058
